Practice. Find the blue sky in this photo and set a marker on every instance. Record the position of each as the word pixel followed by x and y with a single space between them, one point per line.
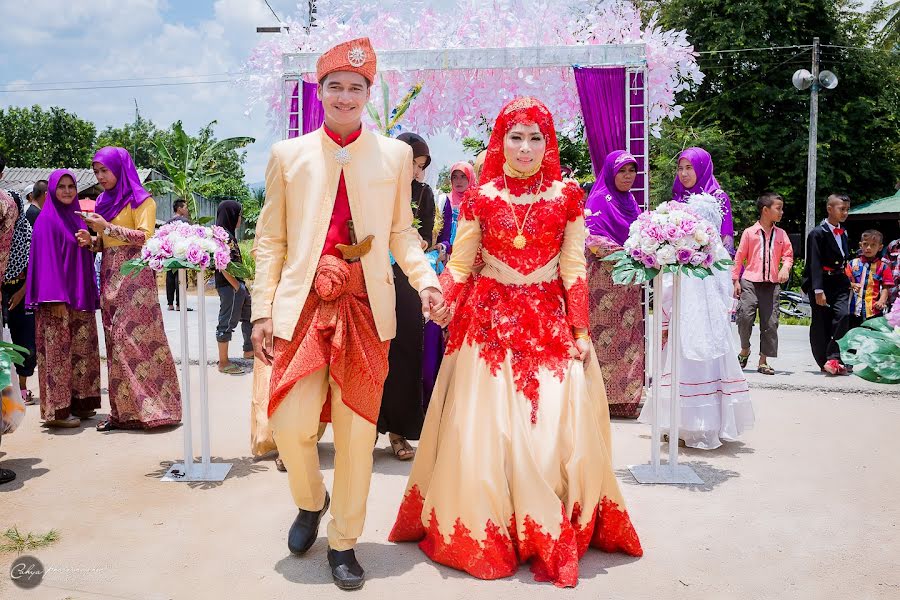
pixel 136 42
pixel 51 43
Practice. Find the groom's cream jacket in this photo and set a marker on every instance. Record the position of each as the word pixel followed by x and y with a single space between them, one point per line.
pixel 301 186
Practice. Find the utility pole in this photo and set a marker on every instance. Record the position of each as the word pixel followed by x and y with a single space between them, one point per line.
pixel 813 140
pixel 137 121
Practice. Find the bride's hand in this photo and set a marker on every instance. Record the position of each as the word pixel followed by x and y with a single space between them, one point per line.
pixel 583 349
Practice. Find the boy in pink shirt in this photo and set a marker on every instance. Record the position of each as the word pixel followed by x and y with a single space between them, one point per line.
pixel 765 257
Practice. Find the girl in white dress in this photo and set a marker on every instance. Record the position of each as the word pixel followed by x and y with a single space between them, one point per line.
pixel 714 395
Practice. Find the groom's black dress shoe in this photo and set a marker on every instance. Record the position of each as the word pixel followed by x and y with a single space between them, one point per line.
pixel 305 528
pixel 346 571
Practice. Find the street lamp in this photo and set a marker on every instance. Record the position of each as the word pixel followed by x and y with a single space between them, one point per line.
pixel 802 80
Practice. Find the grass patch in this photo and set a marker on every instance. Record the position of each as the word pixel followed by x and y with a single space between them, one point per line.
pixel 14 541
pixel 794 320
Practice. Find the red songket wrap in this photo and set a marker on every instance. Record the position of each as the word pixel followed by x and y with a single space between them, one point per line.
pixel 336 329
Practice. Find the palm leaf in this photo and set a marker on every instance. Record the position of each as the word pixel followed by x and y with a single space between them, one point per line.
pixel 374 115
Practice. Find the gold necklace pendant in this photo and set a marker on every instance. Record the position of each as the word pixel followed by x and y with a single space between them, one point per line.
pixel 519 242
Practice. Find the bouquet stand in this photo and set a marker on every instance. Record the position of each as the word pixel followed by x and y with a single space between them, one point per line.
pixel 188 470
pixel 654 472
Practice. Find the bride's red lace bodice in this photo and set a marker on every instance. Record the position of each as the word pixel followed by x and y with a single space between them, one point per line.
pixel 531 323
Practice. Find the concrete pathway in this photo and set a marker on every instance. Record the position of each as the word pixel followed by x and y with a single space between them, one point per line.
pixel 805 506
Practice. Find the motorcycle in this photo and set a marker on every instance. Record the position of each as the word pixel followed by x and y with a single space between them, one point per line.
pixel 794 304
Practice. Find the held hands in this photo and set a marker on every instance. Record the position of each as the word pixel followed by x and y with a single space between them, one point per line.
pixel 433 306
pixel 263 340
pixel 856 287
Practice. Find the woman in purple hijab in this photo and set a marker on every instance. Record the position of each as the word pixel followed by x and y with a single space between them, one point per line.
pixel 60 290
pixel 695 176
pixel 616 312
pixel 143 384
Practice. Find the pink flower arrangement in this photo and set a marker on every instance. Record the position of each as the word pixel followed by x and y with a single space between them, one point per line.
pixel 893 317
pixel 181 245
pixel 672 238
pixel 457 99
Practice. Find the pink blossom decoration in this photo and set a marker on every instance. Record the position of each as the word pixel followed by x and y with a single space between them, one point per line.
pixel 457 100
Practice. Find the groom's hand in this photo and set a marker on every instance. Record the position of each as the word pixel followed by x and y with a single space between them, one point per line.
pixel 263 341
pixel 433 306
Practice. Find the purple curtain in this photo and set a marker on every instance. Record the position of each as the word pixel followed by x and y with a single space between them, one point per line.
pixel 313 113
pixel 601 92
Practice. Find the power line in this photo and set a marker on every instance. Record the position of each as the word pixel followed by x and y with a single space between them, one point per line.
pixel 753 79
pixel 114 87
pixel 277 18
pixel 857 48
pixel 147 78
pixel 733 50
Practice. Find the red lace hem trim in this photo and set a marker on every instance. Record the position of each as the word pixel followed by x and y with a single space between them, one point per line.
pixel 501 552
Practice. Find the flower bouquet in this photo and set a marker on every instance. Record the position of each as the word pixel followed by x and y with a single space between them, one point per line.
pixel 673 238
pixel 181 245
pixel 873 349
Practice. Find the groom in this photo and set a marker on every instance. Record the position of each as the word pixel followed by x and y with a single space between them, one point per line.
pixel 337 200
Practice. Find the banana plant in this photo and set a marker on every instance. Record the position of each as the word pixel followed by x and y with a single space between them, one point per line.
pixel 189 164
pixel 10 354
pixel 889 35
pixel 391 119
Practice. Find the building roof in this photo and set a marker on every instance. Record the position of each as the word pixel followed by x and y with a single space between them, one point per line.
pixel 890 204
pixel 21 177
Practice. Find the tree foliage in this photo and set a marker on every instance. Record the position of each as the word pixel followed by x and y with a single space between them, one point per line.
pixel 34 137
pixel 193 165
pixel 747 101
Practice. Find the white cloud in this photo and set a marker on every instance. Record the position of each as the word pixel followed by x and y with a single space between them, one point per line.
pixel 89 40
pixel 65 41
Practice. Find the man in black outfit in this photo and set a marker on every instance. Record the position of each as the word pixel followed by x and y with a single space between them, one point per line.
pixel 826 284
pixel 36 201
pixel 179 207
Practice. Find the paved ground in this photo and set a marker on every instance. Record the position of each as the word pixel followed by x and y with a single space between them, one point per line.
pixel 804 507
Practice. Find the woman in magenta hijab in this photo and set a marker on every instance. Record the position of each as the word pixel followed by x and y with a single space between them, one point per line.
pixel 695 176
pixel 143 384
pixel 60 289
pixel 617 315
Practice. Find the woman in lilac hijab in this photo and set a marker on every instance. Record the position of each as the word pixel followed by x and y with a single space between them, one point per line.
pixel 695 176
pixel 60 290
pixel 143 384
pixel 617 316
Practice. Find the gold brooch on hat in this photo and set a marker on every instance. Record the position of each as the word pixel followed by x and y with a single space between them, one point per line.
pixel 356 57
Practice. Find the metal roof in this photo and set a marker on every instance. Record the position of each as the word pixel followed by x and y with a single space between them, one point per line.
pixel 21 177
pixel 890 204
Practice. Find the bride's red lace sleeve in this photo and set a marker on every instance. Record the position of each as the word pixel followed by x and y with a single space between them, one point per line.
pixel 572 266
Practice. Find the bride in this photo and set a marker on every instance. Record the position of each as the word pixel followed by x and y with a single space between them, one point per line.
pixel 514 463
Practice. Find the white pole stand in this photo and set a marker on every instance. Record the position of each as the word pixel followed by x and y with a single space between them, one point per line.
pixel 188 470
pixel 654 472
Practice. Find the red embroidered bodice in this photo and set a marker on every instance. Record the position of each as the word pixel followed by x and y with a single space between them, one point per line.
pixel 531 322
